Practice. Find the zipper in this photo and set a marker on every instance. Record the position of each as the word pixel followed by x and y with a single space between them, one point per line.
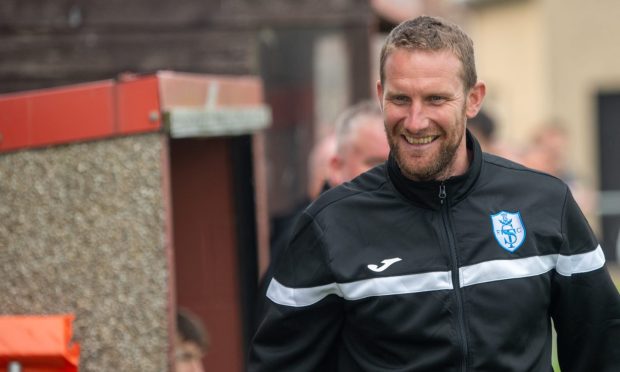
pixel 445 214
pixel 442 192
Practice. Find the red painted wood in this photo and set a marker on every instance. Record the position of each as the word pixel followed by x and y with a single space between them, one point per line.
pixel 138 105
pixel 14 125
pixel 71 114
pixel 79 113
pixel 205 244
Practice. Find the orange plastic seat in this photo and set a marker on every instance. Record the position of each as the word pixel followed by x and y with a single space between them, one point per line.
pixel 39 343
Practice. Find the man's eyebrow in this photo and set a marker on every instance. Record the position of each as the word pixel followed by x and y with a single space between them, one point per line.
pixel 393 92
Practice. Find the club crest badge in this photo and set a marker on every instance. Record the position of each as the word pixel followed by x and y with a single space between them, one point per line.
pixel 508 229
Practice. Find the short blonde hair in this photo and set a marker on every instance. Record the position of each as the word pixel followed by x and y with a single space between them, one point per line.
pixel 432 34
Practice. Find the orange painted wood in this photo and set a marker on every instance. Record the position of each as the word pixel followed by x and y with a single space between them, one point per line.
pixel 14 124
pixel 71 114
pixel 180 89
pixel 40 343
pixel 79 113
pixel 138 105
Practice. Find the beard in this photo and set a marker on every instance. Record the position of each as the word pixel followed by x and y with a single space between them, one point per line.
pixel 435 170
pixel 436 167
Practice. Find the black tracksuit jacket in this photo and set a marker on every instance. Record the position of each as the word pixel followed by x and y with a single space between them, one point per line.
pixel 386 274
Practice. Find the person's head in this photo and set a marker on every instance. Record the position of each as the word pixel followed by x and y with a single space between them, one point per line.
pixel 318 164
pixel 427 89
pixel 360 142
pixel 482 127
pixel 191 342
pixel 554 138
pixel 433 35
pixel 549 150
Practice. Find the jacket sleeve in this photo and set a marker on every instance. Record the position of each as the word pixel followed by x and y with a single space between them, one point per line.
pixel 585 302
pixel 304 311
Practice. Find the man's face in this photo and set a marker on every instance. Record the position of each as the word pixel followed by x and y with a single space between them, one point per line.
pixel 188 357
pixel 368 147
pixel 425 107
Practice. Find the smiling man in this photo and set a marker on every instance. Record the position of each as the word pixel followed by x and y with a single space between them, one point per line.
pixel 425 103
pixel 444 258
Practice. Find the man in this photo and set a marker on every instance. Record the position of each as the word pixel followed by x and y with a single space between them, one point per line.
pixel 549 152
pixel 318 166
pixel 360 142
pixel 444 258
pixel 357 144
pixel 191 343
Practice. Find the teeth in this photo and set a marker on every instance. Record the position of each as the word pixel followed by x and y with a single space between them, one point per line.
pixel 419 141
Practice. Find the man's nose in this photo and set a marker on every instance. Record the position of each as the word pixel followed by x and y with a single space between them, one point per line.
pixel 416 118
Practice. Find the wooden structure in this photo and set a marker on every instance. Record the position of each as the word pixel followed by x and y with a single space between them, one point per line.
pixel 68 42
pixel 155 183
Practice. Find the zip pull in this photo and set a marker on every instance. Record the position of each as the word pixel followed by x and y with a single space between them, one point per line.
pixel 442 192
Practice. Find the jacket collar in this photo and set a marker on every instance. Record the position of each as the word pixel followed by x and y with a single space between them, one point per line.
pixel 426 194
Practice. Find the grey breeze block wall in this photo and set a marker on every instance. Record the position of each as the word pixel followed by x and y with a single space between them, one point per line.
pixel 82 230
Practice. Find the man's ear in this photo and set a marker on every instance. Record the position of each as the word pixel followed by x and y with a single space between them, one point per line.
pixel 335 170
pixel 380 94
pixel 475 98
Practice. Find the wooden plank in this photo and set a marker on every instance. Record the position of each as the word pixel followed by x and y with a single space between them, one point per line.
pixel 56 116
pixel 71 114
pixel 205 244
pixel 71 15
pixel 14 132
pixel 78 112
pixel 137 104
pixel 84 57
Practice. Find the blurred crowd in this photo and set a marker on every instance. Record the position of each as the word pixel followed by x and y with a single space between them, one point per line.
pixel 547 150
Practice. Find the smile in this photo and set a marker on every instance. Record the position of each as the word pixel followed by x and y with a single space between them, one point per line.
pixel 419 140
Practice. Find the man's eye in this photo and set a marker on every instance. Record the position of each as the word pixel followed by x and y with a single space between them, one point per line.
pixel 436 99
pixel 400 100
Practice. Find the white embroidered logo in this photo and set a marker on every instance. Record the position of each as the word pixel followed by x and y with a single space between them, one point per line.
pixel 386 263
pixel 508 229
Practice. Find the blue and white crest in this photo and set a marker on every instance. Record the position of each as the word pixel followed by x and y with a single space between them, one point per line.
pixel 509 230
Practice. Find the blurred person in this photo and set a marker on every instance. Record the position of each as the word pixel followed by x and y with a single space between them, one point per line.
pixel 318 166
pixel 318 175
pixel 444 258
pixel 360 142
pixel 483 127
pixel 318 181
pixel 191 342
pixel 357 144
pixel 548 153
